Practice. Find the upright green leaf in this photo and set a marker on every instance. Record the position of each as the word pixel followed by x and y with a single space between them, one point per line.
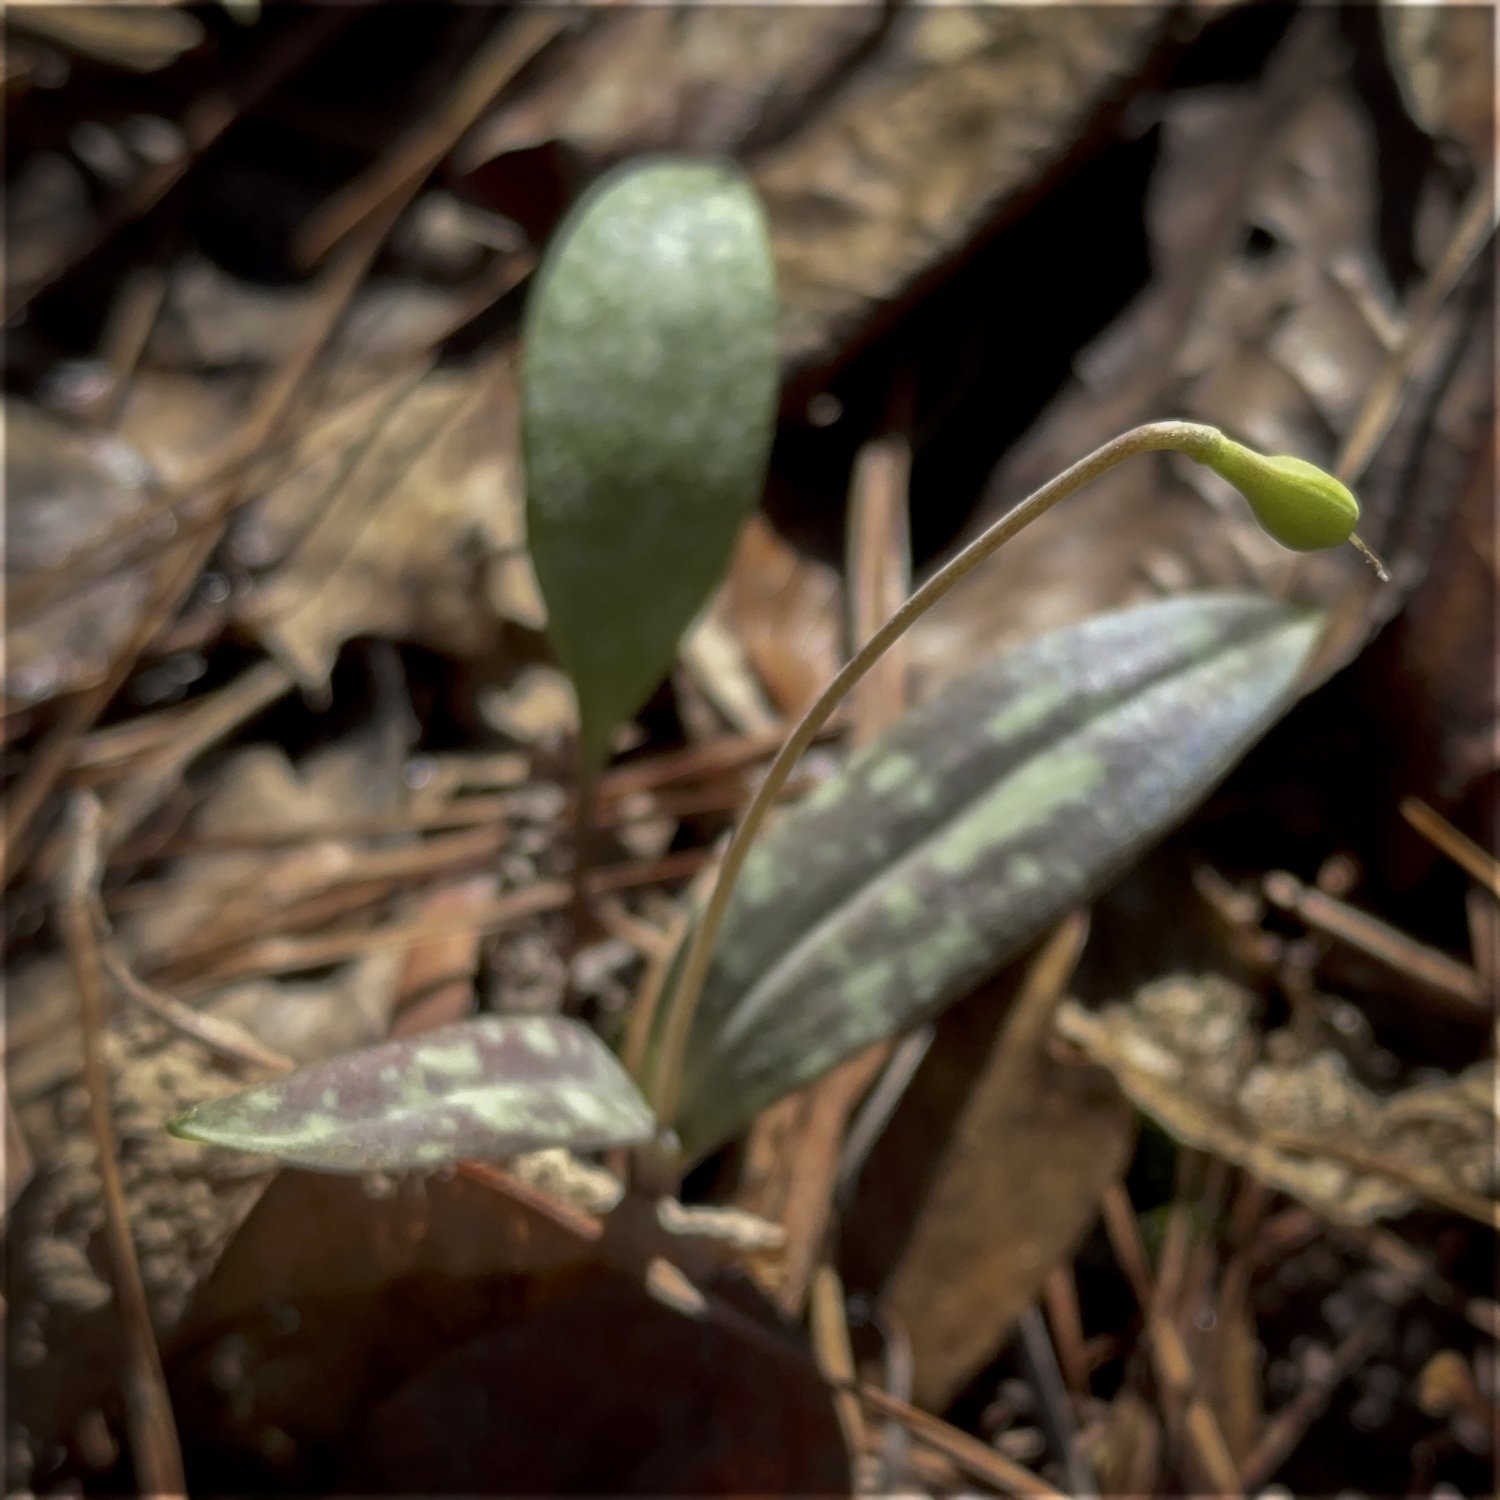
pixel 490 1087
pixel 958 837
pixel 648 389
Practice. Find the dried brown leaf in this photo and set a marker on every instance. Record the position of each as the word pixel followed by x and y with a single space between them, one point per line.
pixel 397 516
pixel 232 893
pixel 958 114
pixel 1026 1147
pixel 1448 687
pixel 1443 57
pixel 369 1285
pixel 1186 1053
pixel 783 609
pixel 693 78
pixel 882 143
pixel 74 502
pixel 637 1402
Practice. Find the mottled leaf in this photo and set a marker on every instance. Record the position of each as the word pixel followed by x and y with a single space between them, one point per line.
pixel 648 394
pixel 956 838
pixel 489 1087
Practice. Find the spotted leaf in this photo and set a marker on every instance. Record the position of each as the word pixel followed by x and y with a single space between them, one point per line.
pixel 490 1087
pixel 967 829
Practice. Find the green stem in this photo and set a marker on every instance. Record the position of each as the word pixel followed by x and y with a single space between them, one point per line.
pixel 1198 442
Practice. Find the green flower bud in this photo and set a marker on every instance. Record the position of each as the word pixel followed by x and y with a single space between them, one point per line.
pixel 1296 502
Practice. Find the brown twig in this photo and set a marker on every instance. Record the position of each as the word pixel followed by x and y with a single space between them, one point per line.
pixel 105 755
pixel 1060 1298
pixel 574 1221
pixel 1125 1239
pixel 1286 1429
pixel 403 169
pixel 209 720
pixel 206 120
pixel 296 890
pixel 55 751
pixel 1477 863
pixel 1177 1377
pixel 1249 1209
pixel 801 1190
pixel 648 940
pixel 797 1146
pixel 50 761
pixel 280 955
pixel 879 571
pixel 828 1326
pixel 224 1038
pixel 153 1432
pixel 1188 1413
pixel 978 1460
pixel 1471 232
pixel 705 761
pixel 1434 973
pixel 126 334
pixel 646 807
pixel 1203 1256
pixel 465 812
pixel 1177 1238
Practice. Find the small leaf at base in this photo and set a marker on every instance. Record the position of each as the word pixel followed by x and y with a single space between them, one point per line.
pixel 490 1087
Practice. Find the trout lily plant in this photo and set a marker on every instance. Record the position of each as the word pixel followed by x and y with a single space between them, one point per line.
pixel 935 855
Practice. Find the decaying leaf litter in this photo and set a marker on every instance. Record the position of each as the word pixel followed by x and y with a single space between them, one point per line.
pixel 1197 1195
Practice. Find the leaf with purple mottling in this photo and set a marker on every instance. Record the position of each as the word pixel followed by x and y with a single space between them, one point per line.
pixel 953 841
pixel 490 1087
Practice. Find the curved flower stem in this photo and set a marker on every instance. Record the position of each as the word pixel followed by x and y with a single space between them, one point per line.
pixel 1195 440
